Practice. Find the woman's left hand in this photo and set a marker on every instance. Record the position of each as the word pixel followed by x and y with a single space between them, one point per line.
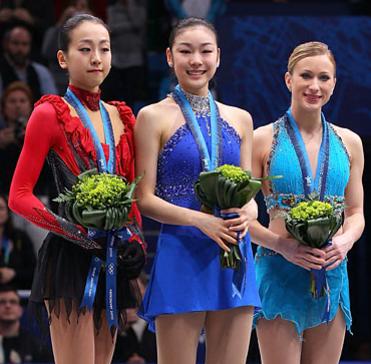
pixel 241 223
pixel 337 251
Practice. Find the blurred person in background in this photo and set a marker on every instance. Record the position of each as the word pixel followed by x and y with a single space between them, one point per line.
pixel 207 9
pixel 16 64
pixel 17 345
pixel 28 12
pixel 16 107
pixel 127 20
pixel 17 257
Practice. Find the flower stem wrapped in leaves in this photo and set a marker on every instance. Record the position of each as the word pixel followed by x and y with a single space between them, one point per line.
pixel 226 187
pixel 99 200
pixel 313 223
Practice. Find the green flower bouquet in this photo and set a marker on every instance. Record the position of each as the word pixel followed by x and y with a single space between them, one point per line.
pixel 313 223
pixel 99 200
pixel 226 187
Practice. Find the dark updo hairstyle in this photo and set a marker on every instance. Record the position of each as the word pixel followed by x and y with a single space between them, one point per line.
pixel 72 23
pixel 184 24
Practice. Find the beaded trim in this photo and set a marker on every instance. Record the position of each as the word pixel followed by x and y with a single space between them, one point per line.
pixel 285 201
pixel 199 104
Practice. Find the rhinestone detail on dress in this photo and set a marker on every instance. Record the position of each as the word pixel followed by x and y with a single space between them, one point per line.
pixel 200 104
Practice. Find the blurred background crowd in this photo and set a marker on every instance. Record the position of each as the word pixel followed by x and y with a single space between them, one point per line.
pixel 139 76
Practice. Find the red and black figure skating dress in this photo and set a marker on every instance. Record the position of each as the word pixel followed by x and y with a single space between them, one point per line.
pixel 65 256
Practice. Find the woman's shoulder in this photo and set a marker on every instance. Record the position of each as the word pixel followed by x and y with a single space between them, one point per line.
pixel 55 100
pixel 52 106
pixel 346 134
pixel 351 140
pixel 263 137
pixel 230 112
pixel 159 114
pixel 159 108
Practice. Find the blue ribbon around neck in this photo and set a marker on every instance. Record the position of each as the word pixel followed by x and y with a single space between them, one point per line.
pixel 103 166
pixel 310 185
pixel 319 182
pixel 209 160
pixel 112 237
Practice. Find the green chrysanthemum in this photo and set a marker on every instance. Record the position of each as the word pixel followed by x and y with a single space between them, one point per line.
pixel 308 210
pixel 233 173
pixel 99 200
pixel 99 191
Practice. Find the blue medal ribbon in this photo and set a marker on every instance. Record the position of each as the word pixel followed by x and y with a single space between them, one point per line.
pixel 112 236
pixel 310 185
pixel 209 160
pixel 111 273
pixel 91 284
pixel 103 166
pixel 239 274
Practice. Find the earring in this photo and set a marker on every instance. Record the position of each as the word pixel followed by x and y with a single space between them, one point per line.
pixel 170 64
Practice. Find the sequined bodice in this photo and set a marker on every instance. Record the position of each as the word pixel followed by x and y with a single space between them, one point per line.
pixel 179 163
pixel 286 192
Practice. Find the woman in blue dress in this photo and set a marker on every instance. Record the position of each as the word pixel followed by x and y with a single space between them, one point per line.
pixel 189 290
pixel 313 156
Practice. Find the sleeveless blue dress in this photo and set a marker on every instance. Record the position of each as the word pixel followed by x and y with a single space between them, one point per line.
pixel 186 274
pixel 283 286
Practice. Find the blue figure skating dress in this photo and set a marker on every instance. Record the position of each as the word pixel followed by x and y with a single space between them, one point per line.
pixel 284 287
pixel 186 274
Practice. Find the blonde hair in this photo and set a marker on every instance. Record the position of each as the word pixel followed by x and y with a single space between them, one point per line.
pixel 309 49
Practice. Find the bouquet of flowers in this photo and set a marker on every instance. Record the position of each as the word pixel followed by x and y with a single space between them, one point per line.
pixel 313 223
pixel 226 187
pixel 100 201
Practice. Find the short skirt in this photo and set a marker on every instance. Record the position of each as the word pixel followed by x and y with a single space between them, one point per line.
pixel 187 276
pixel 60 276
pixel 284 290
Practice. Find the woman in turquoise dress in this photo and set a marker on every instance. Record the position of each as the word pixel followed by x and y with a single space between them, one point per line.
pixel 188 289
pixel 313 156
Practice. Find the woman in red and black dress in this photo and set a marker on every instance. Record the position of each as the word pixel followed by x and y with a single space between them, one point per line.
pixel 57 131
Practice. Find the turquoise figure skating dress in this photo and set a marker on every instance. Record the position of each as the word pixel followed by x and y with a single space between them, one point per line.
pixel 186 274
pixel 284 287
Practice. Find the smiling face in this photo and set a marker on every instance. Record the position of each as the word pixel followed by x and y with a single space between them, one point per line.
pixel 311 82
pixel 88 58
pixel 194 57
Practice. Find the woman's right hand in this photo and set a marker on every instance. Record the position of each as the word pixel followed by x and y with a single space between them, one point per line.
pixel 216 229
pixel 301 255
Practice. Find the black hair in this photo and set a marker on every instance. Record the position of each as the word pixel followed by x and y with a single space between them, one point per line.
pixel 72 23
pixel 188 23
pixel 15 25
